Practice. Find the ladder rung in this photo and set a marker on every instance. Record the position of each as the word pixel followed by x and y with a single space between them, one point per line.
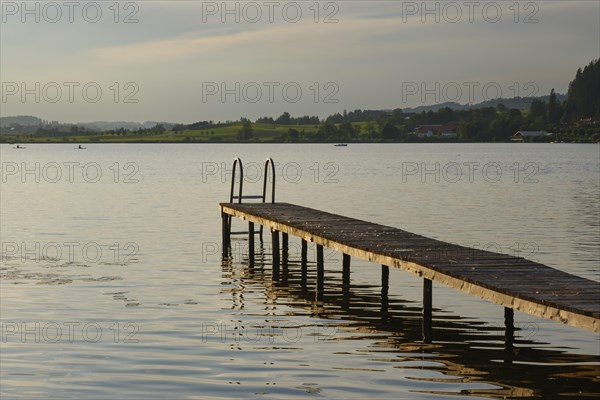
pixel 258 196
pixel 242 232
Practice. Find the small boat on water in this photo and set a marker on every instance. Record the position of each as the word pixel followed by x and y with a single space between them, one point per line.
pixel 18 147
pixel 80 147
pixel 341 144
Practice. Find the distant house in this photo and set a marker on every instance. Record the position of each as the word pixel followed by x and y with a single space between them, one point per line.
pixel 426 130
pixel 445 131
pixel 526 136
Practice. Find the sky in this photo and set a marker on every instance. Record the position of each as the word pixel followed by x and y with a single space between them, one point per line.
pixel 188 61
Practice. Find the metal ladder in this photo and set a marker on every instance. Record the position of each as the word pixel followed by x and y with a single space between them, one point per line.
pixel 241 196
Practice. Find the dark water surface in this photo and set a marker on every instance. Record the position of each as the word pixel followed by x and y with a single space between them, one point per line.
pixel 113 285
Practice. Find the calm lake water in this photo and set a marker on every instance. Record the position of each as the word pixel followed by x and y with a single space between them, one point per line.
pixel 113 285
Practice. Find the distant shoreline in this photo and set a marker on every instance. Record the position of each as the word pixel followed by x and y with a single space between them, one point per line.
pixel 286 143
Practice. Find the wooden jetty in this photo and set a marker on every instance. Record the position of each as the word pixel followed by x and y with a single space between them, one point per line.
pixel 513 282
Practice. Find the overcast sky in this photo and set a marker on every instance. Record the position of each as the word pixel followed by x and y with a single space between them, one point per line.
pixel 186 61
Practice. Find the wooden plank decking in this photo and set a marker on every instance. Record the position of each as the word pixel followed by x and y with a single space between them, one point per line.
pixel 513 282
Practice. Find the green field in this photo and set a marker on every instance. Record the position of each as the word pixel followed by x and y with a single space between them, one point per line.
pixel 260 132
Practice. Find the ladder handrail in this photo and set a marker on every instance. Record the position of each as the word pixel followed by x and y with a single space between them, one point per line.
pixel 269 161
pixel 235 163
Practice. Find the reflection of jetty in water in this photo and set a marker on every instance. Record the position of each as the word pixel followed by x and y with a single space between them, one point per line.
pixel 463 350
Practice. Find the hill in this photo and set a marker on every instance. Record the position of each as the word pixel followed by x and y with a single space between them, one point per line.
pixel 22 120
pixel 519 103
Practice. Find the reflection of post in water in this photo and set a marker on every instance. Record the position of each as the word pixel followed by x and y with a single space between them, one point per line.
pixel 226 265
pixel 260 256
pixel 235 278
pixel 385 279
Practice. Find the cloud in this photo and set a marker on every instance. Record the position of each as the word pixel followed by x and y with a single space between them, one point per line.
pixel 304 40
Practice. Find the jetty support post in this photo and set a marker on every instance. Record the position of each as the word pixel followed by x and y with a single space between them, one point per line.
pixel 346 280
pixel 385 280
pixel 284 254
pixel 251 244
pixel 427 310
pixel 304 262
pixel 275 250
pixel 509 333
pixel 226 234
pixel 345 271
pixel 320 272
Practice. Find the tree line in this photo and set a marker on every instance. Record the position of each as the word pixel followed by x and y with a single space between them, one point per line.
pixel 575 119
